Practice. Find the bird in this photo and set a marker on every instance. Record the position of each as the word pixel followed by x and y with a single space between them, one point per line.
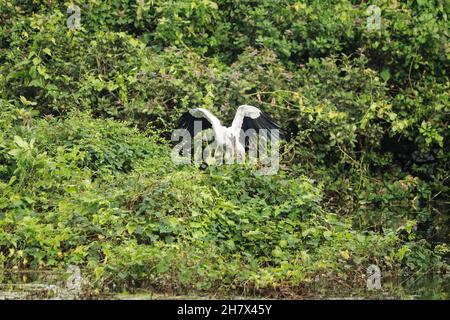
pixel 230 143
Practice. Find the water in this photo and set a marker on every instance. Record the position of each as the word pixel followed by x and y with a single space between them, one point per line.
pixel 429 287
pixel 17 285
pixel 32 284
pixel 432 286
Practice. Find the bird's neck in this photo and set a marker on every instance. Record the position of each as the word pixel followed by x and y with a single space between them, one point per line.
pixel 220 133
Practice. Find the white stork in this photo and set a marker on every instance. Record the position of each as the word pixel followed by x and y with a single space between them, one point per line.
pixel 231 141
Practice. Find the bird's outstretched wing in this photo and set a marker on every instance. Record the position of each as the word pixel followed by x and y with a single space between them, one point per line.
pixel 196 120
pixel 249 117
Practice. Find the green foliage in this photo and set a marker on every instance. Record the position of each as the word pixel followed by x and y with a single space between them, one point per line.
pixel 85 171
pixel 68 199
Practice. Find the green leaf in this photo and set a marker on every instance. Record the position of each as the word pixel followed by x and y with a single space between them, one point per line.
pixel 47 51
pixel 36 61
pixel 26 102
pixel 111 86
pixel 327 234
pixel 277 252
pixel 14 152
pixel 162 266
pixel 20 142
pixel 385 75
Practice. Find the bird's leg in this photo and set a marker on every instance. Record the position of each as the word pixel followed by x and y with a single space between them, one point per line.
pixel 219 154
pixel 240 151
pixel 233 151
pixel 228 152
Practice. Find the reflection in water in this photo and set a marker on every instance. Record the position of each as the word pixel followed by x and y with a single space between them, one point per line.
pixel 430 286
pixel 54 285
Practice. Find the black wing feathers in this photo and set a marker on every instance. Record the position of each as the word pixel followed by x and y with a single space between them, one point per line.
pixel 187 121
pixel 264 121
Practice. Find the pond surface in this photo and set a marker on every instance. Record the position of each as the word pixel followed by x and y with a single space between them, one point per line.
pixel 428 287
pixel 424 287
pixel 55 285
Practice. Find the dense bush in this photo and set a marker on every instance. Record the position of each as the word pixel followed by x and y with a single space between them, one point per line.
pixel 85 169
pixel 61 203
